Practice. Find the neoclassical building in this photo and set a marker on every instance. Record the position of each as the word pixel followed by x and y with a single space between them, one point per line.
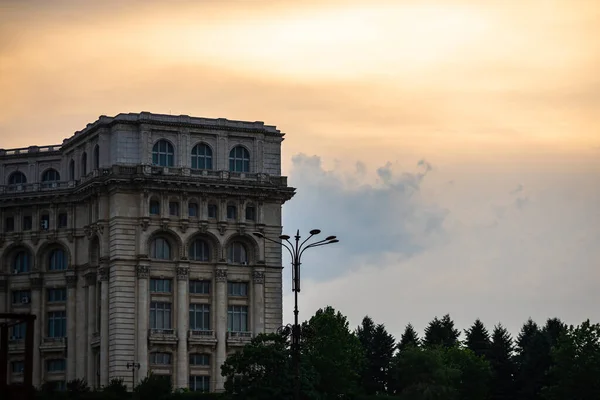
pixel 132 243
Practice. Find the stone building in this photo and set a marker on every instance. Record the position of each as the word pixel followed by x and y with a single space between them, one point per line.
pixel 132 243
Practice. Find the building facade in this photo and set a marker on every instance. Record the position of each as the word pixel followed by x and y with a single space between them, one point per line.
pixel 132 243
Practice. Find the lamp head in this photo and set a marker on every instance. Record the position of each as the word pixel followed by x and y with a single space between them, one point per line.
pixel 284 237
pixel 333 241
pixel 315 232
pixel 330 238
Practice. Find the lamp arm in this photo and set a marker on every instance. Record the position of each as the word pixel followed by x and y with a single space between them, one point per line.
pixel 281 244
pixel 306 240
pixel 315 244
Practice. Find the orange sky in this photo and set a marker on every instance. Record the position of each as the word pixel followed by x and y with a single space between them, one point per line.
pixel 448 80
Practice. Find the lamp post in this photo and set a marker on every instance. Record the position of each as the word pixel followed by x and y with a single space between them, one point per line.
pixel 296 250
pixel 133 366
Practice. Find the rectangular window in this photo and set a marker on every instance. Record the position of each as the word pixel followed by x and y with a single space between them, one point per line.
pixel 160 358
pixel 18 331
pixel 57 324
pixel 251 213
pixel 57 295
pixel 231 212
pixel 212 211
pixel 56 365
pixel 27 223
pixel 200 317
pixel 17 367
pixel 62 220
pixel 237 318
pixel 199 287
pixel 200 383
pixel 200 359
pixel 21 296
pixel 160 315
pixel 193 210
pixel 154 207
pixel 160 285
pixel 174 209
pixel 45 222
pixel 237 289
pixel 9 224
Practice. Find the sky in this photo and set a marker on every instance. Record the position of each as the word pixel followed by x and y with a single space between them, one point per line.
pixel 452 146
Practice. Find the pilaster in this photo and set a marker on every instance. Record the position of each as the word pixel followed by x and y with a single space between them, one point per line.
pixel 258 281
pixel 91 279
pixel 221 328
pixel 182 327
pixel 71 332
pixel 36 282
pixel 103 273
pixel 143 273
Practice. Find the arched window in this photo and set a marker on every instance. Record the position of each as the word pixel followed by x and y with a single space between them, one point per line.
pixel 17 178
pixel 239 159
pixel 163 154
pixel 57 260
pixel 160 249
pixel 199 251
pixel 72 170
pixel 154 207
pixel 84 164
pixel 96 157
pixel 237 254
pixel 50 175
pixel 22 262
pixel 201 157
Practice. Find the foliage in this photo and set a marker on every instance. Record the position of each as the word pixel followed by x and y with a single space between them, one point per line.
pixel 478 338
pixel 379 346
pixel 409 338
pixel 153 387
pixel 78 386
pixel 502 361
pixel 334 352
pixel 441 332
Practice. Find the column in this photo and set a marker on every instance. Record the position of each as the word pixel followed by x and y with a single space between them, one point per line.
pixel 91 326
pixel 221 328
pixel 71 332
pixel 143 272
pixel 182 327
pixel 3 291
pixel 258 304
pixel 103 277
pixel 36 308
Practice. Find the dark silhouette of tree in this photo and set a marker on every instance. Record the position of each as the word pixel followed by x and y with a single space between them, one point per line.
pixel 478 339
pixel 365 334
pixel 475 373
pixel 501 358
pixel 576 364
pixel 334 352
pixel 532 361
pixel 409 338
pixel 441 332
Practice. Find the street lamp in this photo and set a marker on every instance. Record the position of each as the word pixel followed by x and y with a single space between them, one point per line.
pixel 133 366
pixel 296 250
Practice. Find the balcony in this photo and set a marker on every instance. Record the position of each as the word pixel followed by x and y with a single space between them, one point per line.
pixel 238 338
pixel 16 345
pixel 197 336
pixel 166 336
pixel 54 344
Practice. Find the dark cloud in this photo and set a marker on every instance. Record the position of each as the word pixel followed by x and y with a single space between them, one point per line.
pixel 388 217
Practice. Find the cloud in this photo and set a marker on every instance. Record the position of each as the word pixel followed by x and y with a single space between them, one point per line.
pixel 492 249
pixel 389 216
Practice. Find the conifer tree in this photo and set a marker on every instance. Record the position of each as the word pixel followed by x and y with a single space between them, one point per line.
pixel 409 338
pixel 501 358
pixel 478 338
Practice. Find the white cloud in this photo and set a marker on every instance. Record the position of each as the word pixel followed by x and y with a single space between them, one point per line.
pixel 475 249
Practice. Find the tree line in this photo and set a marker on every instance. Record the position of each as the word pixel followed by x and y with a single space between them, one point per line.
pixel 543 362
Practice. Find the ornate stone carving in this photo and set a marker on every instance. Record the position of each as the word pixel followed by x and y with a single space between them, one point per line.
pixel 35 239
pixel 91 278
pixel 242 228
pixel 36 282
pixel 222 228
pixel 258 277
pixel 71 281
pixel 143 271
pixel 103 273
pixel 70 236
pixel 203 226
pixel 221 275
pixel 144 224
pixel 183 225
pixel 100 228
pixel 87 231
pixel 164 223
pixel 182 273
pixel 17 237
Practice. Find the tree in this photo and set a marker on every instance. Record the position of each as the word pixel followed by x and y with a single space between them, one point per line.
pixel 263 369
pixel 441 332
pixel 531 361
pixel 501 358
pixel 475 373
pixel 478 338
pixel 409 338
pixel 334 352
pixel 378 346
pixel 576 364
